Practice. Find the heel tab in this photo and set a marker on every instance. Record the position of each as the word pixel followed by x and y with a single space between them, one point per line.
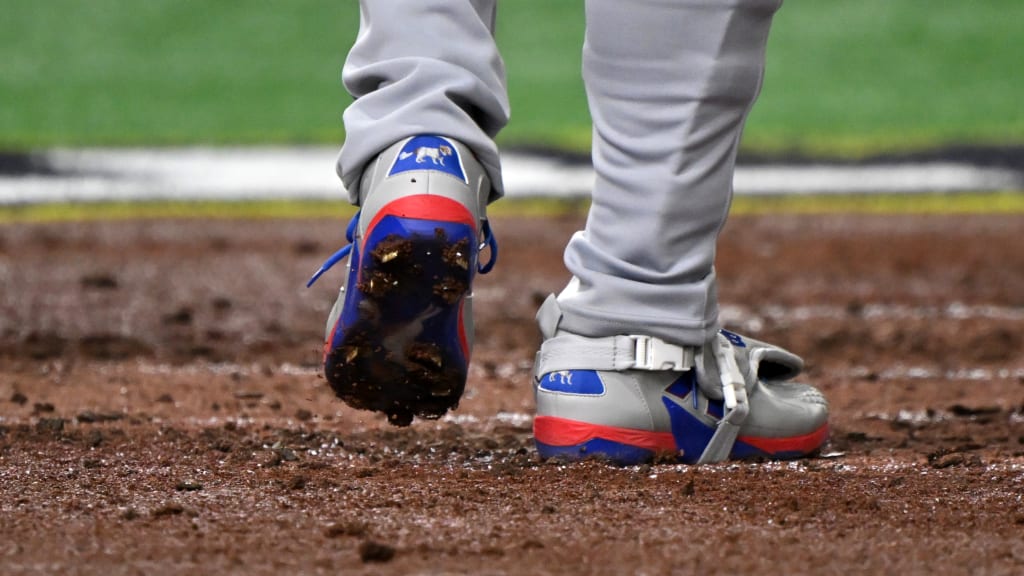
pixel 549 316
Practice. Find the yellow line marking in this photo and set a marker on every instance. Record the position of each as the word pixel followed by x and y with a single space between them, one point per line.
pixel 966 203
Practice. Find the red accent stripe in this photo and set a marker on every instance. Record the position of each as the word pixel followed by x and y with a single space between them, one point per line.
pixel 463 339
pixel 562 432
pixel 330 338
pixel 802 444
pixel 424 207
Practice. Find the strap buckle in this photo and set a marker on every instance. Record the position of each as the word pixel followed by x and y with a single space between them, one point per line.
pixel 655 354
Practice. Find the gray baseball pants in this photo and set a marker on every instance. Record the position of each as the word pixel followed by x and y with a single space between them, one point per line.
pixel 669 83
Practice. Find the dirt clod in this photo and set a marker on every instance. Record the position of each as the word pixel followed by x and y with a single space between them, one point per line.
pixel 99 281
pixel 112 347
pixel 373 551
pixel 346 528
pixel 50 424
pixel 89 417
pixel 947 460
pixel 687 489
pixel 169 509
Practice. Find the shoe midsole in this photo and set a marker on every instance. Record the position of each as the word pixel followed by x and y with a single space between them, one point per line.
pixel 561 432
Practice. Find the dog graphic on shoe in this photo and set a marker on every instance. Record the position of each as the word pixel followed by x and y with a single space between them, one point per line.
pixel 435 155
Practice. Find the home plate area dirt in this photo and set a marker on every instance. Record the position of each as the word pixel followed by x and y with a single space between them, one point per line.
pixel 162 411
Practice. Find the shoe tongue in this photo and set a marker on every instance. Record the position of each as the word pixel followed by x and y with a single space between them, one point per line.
pixel 771 363
pixel 778 364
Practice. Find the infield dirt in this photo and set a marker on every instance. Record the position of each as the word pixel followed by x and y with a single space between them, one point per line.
pixel 162 411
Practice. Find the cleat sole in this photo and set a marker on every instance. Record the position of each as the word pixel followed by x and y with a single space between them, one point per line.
pixel 398 347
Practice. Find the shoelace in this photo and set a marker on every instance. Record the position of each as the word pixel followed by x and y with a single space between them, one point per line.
pixel 489 241
pixel 350 234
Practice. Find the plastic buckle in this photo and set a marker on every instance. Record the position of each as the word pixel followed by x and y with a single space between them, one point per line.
pixel 655 354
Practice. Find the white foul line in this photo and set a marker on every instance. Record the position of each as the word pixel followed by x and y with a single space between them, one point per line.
pixel 89 175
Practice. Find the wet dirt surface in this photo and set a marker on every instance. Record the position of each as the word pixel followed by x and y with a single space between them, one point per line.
pixel 162 411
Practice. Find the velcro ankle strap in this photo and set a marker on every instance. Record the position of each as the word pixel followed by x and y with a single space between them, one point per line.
pixel 613 353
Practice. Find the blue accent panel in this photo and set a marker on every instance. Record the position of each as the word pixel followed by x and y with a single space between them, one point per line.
pixel 351 299
pixel 429 153
pixel 716 408
pixel 734 338
pixel 616 452
pixel 582 382
pixel 692 435
pixel 683 385
pixel 741 450
pixel 686 384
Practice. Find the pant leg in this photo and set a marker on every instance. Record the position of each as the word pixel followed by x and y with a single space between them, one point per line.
pixel 423 67
pixel 669 84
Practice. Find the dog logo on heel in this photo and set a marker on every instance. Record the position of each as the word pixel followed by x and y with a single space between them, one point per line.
pixel 423 153
pixel 429 153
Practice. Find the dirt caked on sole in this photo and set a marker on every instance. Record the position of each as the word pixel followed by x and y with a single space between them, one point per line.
pixel 401 349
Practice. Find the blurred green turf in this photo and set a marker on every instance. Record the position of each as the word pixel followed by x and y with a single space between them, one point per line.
pixel 844 76
pixel 854 76
pixel 172 71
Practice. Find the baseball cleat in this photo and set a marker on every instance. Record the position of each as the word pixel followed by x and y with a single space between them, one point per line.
pixel 634 399
pixel 398 339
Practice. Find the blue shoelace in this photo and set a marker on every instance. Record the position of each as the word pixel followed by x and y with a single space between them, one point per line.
pixel 489 241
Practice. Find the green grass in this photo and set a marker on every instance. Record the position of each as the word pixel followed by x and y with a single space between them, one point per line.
pixel 172 71
pixel 249 210
pixel 844 76
pixel 988 203
pixel 856 76
pixel 1010 202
